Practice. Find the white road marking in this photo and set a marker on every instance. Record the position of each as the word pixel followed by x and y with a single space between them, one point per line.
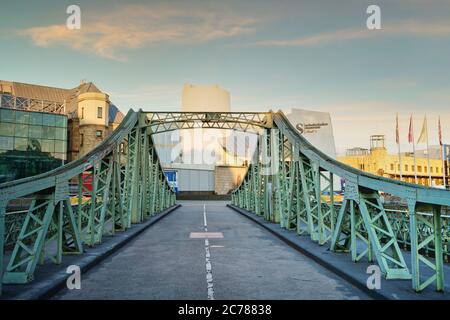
pixel 204 235
pixel 209 276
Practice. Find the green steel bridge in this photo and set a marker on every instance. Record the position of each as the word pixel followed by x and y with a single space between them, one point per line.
pixel 284 184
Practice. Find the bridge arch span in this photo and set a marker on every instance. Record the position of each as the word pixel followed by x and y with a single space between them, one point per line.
pixel 121 182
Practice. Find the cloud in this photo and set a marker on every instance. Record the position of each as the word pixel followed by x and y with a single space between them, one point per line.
pixel 403 28
pixel 134 26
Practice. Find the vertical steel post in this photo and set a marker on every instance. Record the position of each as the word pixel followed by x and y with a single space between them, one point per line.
pixel 318 193
pixel 80 201
pixel 60 232
pixel 438 248
pixel 275 168
pixel 265 171
pixel 134 194
pixel 95 181
pixel 353 231
pixel 144 183
pixel 415 271
pixel 333 211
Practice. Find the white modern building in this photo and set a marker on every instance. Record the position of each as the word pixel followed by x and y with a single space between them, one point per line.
pixel 215 160
pixel 197 156
pixel 315 126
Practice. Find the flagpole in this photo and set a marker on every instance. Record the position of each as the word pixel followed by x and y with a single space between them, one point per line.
pixel 444 182
pixel 400 162
pixel 428 153
pixel 414 150
pixel 397 136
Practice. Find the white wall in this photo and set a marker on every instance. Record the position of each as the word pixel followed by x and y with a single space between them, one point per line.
pixel 205 98
pixel 88 104
pixel 316 127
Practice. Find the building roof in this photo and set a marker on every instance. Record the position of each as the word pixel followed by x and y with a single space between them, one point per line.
pixel 58 95
pixel 115 116
pixel 34 91
pixel 72 96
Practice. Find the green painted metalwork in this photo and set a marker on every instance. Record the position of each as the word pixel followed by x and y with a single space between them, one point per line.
pixel 119 183
pixel 288 182
pixel 30 242
pixel 302 199
pixel 241 121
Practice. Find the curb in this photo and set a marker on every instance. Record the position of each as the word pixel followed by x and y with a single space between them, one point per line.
pixel 52 286
pixel 347 276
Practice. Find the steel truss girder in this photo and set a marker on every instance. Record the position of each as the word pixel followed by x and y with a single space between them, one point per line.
pixel 30 245
pixel 242 121
pixel 95 214
pixel 369 223
pixel 362 226
pixel 419 242
pixel 109 183
pixel 286 164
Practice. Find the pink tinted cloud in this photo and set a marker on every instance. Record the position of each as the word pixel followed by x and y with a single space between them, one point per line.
pixel 403 28
pixel 134 26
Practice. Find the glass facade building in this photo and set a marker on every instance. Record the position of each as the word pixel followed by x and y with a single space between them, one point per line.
pixel 31 143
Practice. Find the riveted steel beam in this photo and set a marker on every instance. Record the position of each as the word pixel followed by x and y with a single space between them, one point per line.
pixel 362 225
pixel 114 183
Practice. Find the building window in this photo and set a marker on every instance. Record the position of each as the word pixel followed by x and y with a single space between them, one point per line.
pixel 392 167
pixel 99 133
pixel 99 113
pixel 406 167
pixel 431 169
pixel 82 113
pixel 419 168
pixel 81 139
pixel 425 169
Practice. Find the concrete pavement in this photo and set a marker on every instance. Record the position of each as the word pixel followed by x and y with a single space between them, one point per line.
pixel 164 262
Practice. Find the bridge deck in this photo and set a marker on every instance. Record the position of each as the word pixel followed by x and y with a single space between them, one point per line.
pixel 247 263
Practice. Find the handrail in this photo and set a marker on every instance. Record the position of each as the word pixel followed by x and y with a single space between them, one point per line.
pixel 400 188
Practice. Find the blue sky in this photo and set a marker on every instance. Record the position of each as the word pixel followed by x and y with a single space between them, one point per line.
pixel 315 55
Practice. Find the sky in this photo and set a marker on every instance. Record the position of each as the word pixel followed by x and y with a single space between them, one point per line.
pixel 316 55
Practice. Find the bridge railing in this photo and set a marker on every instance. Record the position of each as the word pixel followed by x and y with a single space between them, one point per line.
pixel 286 185
pixel 120 182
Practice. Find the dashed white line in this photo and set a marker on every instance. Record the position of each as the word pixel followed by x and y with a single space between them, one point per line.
pixel 209 276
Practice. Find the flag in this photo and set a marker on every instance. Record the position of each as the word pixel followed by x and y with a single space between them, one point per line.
pixel 440 131
pixel 397 135
pixel 410 131
pixel 424 132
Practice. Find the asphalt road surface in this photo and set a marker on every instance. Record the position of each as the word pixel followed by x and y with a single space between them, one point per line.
pixel 173 260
